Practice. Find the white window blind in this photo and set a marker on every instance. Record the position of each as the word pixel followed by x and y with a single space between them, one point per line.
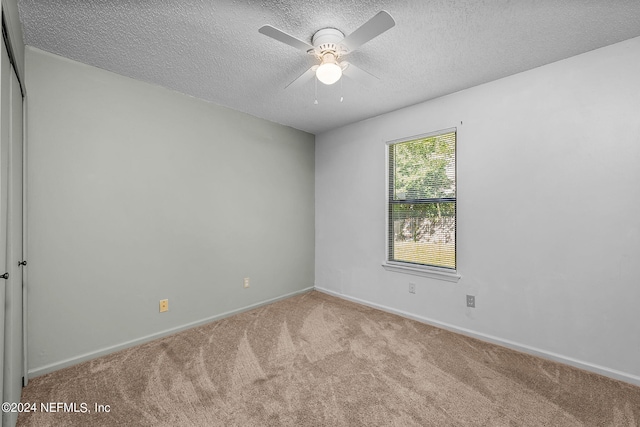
pixel 422 201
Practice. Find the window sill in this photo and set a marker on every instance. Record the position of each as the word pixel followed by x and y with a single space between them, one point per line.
pixel 433 273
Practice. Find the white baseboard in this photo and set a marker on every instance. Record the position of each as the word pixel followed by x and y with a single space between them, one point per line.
pixel 611 373
pixel 32 373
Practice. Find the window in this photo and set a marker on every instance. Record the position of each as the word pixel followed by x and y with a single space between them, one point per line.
pixel 422 202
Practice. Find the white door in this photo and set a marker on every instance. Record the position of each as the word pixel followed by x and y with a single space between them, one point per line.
pixel 11 257
pixel 5 124
pixel 13 345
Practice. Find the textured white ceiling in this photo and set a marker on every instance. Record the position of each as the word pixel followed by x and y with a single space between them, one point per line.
pixel 211 49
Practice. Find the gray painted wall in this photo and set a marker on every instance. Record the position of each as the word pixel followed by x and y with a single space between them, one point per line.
pixel 548 211
pixel 136 194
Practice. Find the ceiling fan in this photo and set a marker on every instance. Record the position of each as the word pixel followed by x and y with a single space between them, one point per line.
pixel 329 45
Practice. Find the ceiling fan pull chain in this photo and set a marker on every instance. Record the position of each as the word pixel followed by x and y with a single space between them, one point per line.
pixel 316 101
pixel 341 91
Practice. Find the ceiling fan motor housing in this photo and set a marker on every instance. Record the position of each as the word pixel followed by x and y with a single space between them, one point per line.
pixel 327 40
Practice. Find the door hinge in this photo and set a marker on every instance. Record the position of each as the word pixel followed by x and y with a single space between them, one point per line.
pixel 22 263
pixel 5 276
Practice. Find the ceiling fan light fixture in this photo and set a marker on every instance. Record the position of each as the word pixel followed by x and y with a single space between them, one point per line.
pixel 330 44
pixel 329 71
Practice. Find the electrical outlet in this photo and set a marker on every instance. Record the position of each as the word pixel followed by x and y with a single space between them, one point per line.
pixel 164 305
pixel 412 288
pixel 246 282
pixel 471 301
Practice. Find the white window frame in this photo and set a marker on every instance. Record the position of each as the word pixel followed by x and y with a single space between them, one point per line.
pixel 446 274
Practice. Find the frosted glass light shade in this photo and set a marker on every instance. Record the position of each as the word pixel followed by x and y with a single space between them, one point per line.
pixel 329 71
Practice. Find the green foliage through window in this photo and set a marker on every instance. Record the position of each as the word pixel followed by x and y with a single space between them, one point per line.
pixel 422 201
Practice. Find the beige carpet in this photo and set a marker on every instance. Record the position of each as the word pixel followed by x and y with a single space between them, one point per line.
pixel 315 360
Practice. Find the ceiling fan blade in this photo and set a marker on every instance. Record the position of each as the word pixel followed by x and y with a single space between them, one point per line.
pixel 285 38
pixel 369 30
pixel 305 77
pixel 358 74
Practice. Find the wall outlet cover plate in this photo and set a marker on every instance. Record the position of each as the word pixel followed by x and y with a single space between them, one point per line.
pixel 471 301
